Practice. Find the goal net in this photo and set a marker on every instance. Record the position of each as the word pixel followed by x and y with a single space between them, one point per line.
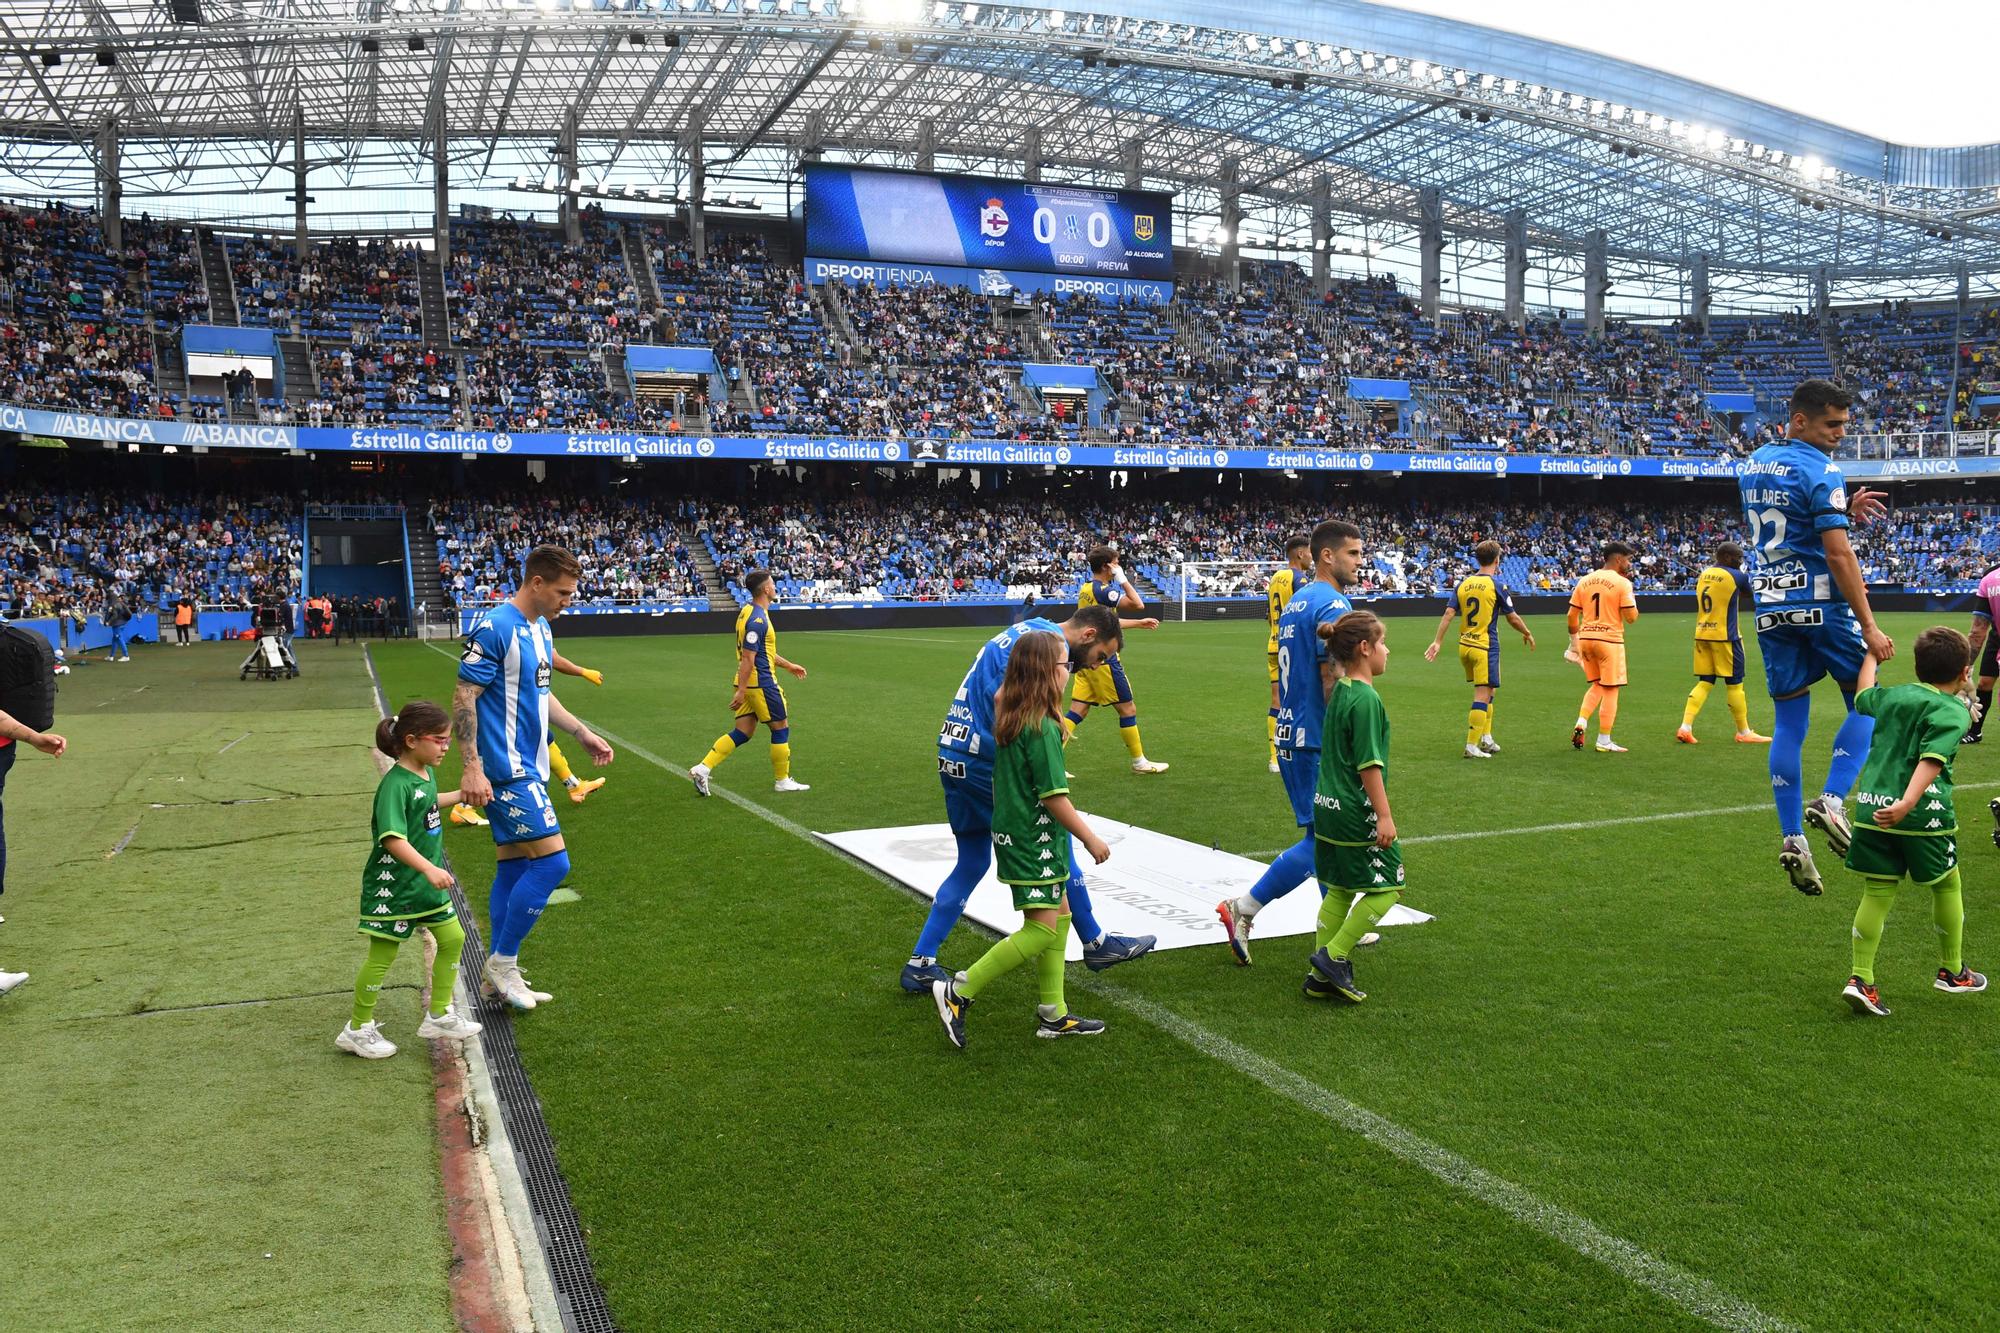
pixel 1221 587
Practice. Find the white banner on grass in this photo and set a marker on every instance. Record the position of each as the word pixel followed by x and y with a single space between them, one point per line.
pixel 1154 884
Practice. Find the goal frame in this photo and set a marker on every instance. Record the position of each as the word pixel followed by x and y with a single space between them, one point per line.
pixel 1189 569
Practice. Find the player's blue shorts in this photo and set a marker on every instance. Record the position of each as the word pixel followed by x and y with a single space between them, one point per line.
pixel 521 811
pixel 968 796
pixel 1300 771
pixel 1797 654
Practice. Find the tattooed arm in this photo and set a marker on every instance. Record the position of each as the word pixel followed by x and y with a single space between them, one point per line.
pixel 477 791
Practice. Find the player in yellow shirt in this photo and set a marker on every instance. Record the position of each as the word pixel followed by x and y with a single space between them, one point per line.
pixel 1298 560
pixel 1718 644
pixel 1599 610
pixel 1481 601
pixel 757 696
pixel 1108 586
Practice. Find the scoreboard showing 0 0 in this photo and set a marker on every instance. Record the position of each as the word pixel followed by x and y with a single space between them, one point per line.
pixel 1097 229
pixel 909 217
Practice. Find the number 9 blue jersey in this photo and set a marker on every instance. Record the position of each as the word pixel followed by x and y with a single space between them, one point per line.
pixel 1301 692
pixel 1792 494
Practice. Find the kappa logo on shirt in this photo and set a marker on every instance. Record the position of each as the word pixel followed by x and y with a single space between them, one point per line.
pixel 522 829
pixel 1935 823
pixel 384 893
pixel 381 909
pixel 386 874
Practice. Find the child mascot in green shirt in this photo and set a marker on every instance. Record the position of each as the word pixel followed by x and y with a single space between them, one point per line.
pixel 1033 821
pixel 1907 784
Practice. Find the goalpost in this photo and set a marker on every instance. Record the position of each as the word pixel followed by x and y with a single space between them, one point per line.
pixel 1225 581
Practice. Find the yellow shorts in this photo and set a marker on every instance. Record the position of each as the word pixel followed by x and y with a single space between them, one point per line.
pixel 1603 663
pixel 1722 658
pixel 767 706
pixel 1102 685
pixel 1481 665
pixel 1271 661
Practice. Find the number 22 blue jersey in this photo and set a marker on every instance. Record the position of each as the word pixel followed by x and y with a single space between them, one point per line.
pixel 1301 693
pixel 1792 495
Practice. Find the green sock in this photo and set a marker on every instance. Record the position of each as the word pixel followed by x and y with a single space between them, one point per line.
pixel 1049 970
pixel 1876 900
pixel 1332 912
pixel 1361 919
pixel 368 983
pixel 1948 916
pixel 450 937
pixel 1025 943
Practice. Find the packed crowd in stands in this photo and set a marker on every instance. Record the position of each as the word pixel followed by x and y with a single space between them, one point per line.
pixel 632 550
pixel 1265 364
pixel 926 547
pixel 85 551
pixel 518 285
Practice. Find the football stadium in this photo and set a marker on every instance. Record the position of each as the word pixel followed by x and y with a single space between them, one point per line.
pixel 837 664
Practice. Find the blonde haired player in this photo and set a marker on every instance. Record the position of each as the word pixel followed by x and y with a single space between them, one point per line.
pixel 1599 610
pixel 1481 600
pixel 1298 560
pixel 1718 644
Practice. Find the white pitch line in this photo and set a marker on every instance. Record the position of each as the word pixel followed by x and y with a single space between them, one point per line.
pixel 1585 825
pixel 1690 1291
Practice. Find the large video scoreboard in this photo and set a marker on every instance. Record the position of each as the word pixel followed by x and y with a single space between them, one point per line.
pixel 972 222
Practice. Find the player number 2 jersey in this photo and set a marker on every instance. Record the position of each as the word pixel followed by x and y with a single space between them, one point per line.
pixel 1715 597
pixel 1792 496
pixel 1480 601
pixel 511 658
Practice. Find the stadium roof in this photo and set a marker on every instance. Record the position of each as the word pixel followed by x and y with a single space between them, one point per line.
pixel 1378 101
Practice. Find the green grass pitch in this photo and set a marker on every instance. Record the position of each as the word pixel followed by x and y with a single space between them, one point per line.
pixel 1639 1024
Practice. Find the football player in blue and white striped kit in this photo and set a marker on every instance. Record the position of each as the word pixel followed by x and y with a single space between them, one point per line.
pixel 965 768
pixel 500 715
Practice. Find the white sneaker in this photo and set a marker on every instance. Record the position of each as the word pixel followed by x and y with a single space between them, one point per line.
pixel 699 776
pixel 1145 765
pixel 539 996
pixel 1488 744
pixel 1372 937
pixel 505 982
pixel 9 980
pixel 1828 814
pixel 365 1041
pixel 789 784
pixel 1605 745
pixel 1474 752
pixel 449 1026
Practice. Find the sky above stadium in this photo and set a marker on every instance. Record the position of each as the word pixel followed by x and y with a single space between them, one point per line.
pixel 1913 72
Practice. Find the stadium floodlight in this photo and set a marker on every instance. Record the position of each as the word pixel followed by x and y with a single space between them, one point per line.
pixel 1533 92
pixel 1346 56
pixel 1756 152
pixel 1249 42
pixel 1829 172
pixel 1458 78
pixel 1421 69
pixel 1809 168
pixel 1486 83
pixel 1302 48
pixel 970 13
pixel 1715 139
pixel 1057 18
pixel 1325 54
pixel 1390 66
pixel 1510 87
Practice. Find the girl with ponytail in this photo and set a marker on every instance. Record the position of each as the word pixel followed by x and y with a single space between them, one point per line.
pixel 403 887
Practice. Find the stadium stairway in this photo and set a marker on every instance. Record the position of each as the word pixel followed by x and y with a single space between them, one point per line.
pixel 425 588
pixel 615 376
pixel 430 297
pixel 711 578
pixel 639 263
pixel 301 375
pixel 169 370
pixel 834 316
pixel 216 278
